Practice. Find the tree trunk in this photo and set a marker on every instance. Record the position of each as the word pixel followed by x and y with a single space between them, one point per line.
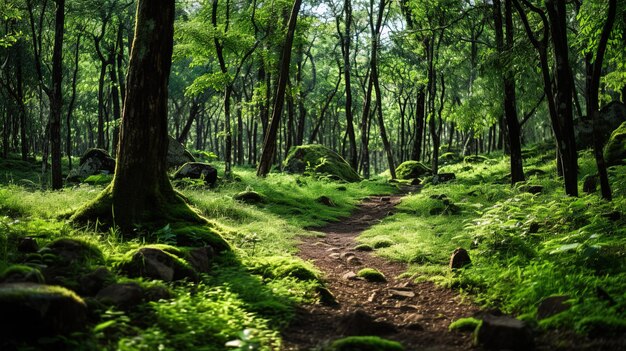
pixel 345 50
pixel 56 98
pixel 563 98
pixel 141 193
pixel 510 110
pixel 594 71
pixel 419 124
pixel 70 107
pixel 269 144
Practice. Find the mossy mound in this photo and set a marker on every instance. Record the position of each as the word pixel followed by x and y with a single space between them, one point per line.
pixel 371 275
pixel 249 197
pixel 465 324
pixel 615 149
pixel 412 170
pixel 476 159
pixel 319 159
pixel 186 226
pixel 365 343
pixel 30 311
pixel 69 251
pixel 278 267
pixel 21 274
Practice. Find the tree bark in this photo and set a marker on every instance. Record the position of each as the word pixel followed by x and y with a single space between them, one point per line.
pixel 510 110
pixel 345 50
pixel 419 124
pixel 269 144
pixel 56 98
pixel 594 71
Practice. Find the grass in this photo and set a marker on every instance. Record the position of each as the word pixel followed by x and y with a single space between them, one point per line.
pixel 250 293
pixel 523 247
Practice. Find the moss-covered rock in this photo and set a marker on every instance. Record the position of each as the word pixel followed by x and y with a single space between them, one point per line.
pixel 365 343
pixel 69 251
pixel 371 275
pixel 320 160
pixel 249 197
pixel 197 170
pixel 21 274
pixel 155 263
pixel 615 149
pixel 278 267
pixel 465 324
pixel 412 169
pixel 30 311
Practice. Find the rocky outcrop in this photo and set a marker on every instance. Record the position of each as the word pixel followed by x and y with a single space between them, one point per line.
pixel 459 259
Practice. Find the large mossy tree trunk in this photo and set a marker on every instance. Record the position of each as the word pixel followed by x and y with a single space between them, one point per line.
pixel 141 195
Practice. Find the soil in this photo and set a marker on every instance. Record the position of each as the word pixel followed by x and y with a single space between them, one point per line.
pixel 415 314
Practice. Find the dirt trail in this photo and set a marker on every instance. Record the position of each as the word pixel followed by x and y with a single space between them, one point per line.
pixel 417 315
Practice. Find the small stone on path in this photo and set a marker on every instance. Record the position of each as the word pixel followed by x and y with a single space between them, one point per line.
pixel 353 260
pixel 349 276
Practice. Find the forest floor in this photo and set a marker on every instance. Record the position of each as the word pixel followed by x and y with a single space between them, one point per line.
pixel 415 314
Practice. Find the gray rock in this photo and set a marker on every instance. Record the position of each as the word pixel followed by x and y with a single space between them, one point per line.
pixel 177 155
pixel 31 311
pixel 504 333
pixel 443 177
pixel 326 201
pixel 197 170
pixel 91 283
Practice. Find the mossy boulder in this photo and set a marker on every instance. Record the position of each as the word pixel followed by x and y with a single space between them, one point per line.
pixel 371 275
pixel 93 161
pixel 412 169
pixel 280 267
pixel 365 343
pixel 319 160
pixel 609 118
pixel 31 311
pixel 197 170
pixel 21 274
pixel 154 262
pixel 73 251
pixel 615 149
pixel 249 197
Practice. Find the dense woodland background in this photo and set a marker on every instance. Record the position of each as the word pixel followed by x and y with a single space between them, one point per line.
pixel 380 82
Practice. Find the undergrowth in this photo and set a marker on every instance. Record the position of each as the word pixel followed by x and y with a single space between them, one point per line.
pixel 524 247
pixel 248 296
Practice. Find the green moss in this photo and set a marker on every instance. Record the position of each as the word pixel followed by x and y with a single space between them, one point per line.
pixel 319 159
pixel 20 273
pixel 371 275
pixel 249 197
pixel 284 266
pixel 615 149
pixel 411 170
pixel 601 326
pixel 465 324
pixel 187 227
pixel 382 243
pixel 19 291
pixel 99 179
pixel 363 247
pixel 365 343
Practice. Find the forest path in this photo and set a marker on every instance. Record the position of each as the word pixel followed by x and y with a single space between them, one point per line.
pixel 415 314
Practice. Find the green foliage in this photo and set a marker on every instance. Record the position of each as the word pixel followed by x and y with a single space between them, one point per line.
pixel 365 343
pixel 615 149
